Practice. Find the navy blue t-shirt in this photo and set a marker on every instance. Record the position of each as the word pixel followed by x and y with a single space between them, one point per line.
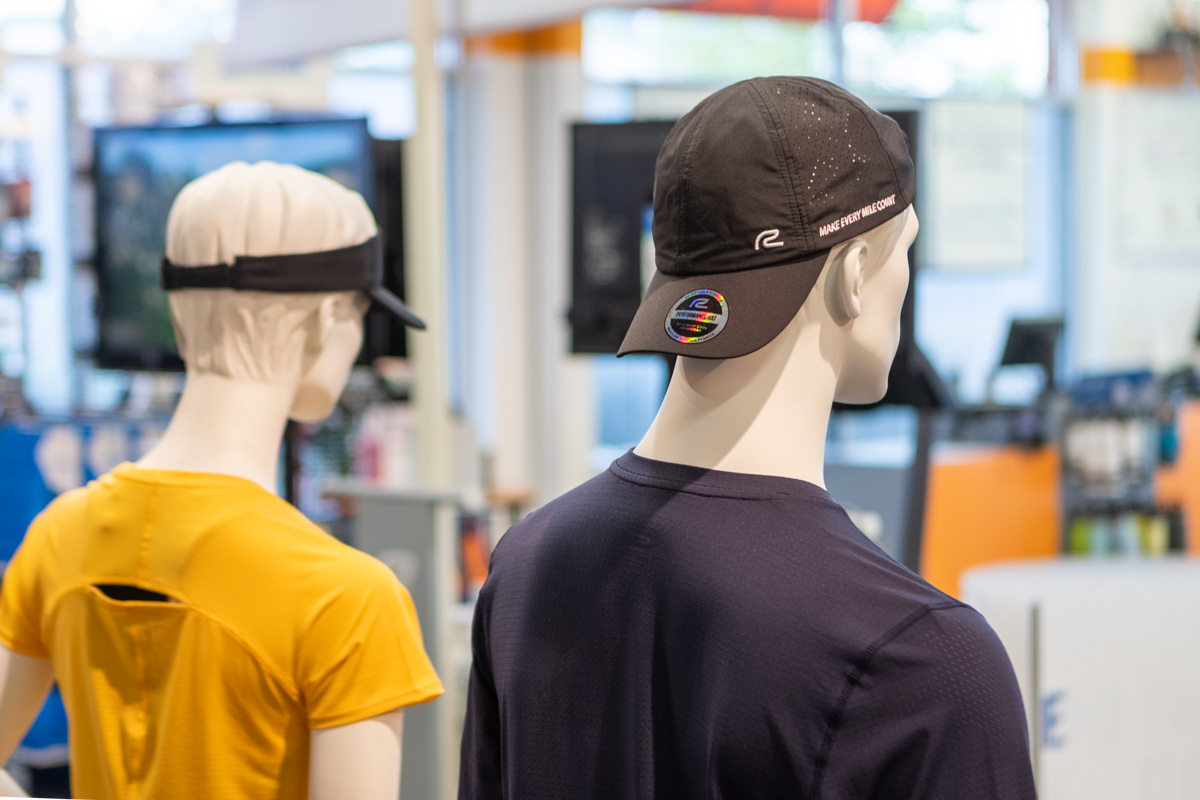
pixel 664 631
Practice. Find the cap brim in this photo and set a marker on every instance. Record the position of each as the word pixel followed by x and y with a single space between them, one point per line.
pixel 759 305
pixel 395 305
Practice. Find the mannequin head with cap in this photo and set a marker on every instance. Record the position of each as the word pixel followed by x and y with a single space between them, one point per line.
pixel 767 412
pixel 780 279
pixel 306 341
pixel 255 359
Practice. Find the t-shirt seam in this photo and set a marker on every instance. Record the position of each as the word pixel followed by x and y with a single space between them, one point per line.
pixel 711 490
pixel 852 683
pixel 216 481
pixel 427 691
pixel 143 557
pixel 781 155
pixel 19 646
pixel 262 661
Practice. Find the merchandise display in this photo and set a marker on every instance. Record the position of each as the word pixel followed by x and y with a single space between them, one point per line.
pixel 703 617
pixel 1117 433
pixel 523 399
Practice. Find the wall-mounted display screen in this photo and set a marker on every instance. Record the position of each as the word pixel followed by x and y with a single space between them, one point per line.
pixel 611 246
pixel 138 172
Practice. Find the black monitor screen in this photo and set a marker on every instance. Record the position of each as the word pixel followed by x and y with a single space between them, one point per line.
pixel 138 172
pixel 613 199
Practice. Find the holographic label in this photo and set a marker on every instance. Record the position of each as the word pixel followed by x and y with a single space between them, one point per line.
pixel 698 317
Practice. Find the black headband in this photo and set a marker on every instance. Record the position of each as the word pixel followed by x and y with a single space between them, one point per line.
pixel 355 268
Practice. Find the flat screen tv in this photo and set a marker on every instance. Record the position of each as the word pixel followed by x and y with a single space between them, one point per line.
pixel 611 243
pixel 139 170
pixel 612 249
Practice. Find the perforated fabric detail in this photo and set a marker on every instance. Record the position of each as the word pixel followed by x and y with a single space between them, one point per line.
pixel 933 711
pixel 837 160
pixel 664 631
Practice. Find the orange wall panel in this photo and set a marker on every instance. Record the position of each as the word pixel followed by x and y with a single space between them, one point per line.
pixel 986 505
pixel 1179 484
pixel 565 39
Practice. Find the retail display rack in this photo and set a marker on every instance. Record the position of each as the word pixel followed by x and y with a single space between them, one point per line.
pixel 1116 432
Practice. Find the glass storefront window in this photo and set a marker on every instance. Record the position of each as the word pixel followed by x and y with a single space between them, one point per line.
pixel 925 48
pixel 932 48
pixel 31 10
pixel 650 47
pixel 151 29
pixel 31 27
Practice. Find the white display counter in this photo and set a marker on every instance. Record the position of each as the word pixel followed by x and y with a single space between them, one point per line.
pixel 1107 653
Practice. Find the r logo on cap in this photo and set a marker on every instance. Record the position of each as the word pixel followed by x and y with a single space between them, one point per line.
pixel 697 317
pixel 768 238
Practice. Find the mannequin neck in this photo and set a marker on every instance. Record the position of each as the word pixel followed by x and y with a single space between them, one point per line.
pixel 765 413
pixel 229 426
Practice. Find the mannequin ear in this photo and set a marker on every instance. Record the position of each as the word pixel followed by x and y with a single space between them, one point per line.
pixel 844 285
pixel 322 322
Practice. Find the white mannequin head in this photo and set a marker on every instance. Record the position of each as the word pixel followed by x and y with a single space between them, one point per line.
pixel 303 343
pixel 861 291
pixel 767 412
pixel 853 311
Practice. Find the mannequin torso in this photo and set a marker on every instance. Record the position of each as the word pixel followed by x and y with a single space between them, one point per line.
pixel 234 426
pixel 254 360
pixel 703 619
pixel 729 626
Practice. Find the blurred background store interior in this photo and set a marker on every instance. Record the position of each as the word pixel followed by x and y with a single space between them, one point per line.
pixel 1044 408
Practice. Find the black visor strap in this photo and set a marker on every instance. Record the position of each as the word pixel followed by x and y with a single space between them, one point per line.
pixel 358 267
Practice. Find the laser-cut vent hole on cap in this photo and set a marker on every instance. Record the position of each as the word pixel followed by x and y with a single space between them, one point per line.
pixel 131 594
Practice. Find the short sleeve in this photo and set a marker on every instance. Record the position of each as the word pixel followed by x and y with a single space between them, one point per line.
pixel 937 714
pixel 22 594
pixel 362 653
pixel 480 766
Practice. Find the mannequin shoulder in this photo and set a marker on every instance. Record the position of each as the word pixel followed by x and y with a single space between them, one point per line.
pixel 62 518
pixel 67 507
pixel 291 542
pixel 934 711
pixel 951 648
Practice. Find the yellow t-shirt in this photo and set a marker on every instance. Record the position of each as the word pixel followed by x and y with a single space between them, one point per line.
pixel 272 628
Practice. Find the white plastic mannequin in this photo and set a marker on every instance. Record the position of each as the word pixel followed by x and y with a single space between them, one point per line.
pixel 24 684
pixel 254 360
pixel 766 413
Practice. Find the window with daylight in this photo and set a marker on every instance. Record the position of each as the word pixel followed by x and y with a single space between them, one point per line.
pixel 651 47
pixel 920 48
pixel 933 48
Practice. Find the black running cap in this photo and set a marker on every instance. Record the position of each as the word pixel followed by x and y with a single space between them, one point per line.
pixel 752 189
pixel 355 268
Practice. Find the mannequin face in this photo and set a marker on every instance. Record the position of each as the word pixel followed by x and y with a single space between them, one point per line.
pixel 874 335
pixel 323 381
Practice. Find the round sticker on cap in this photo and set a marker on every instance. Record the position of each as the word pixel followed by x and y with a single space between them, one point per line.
pixel 698 317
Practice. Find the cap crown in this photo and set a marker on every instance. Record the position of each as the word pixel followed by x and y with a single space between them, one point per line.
pixel 263 209
pixel 770 170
